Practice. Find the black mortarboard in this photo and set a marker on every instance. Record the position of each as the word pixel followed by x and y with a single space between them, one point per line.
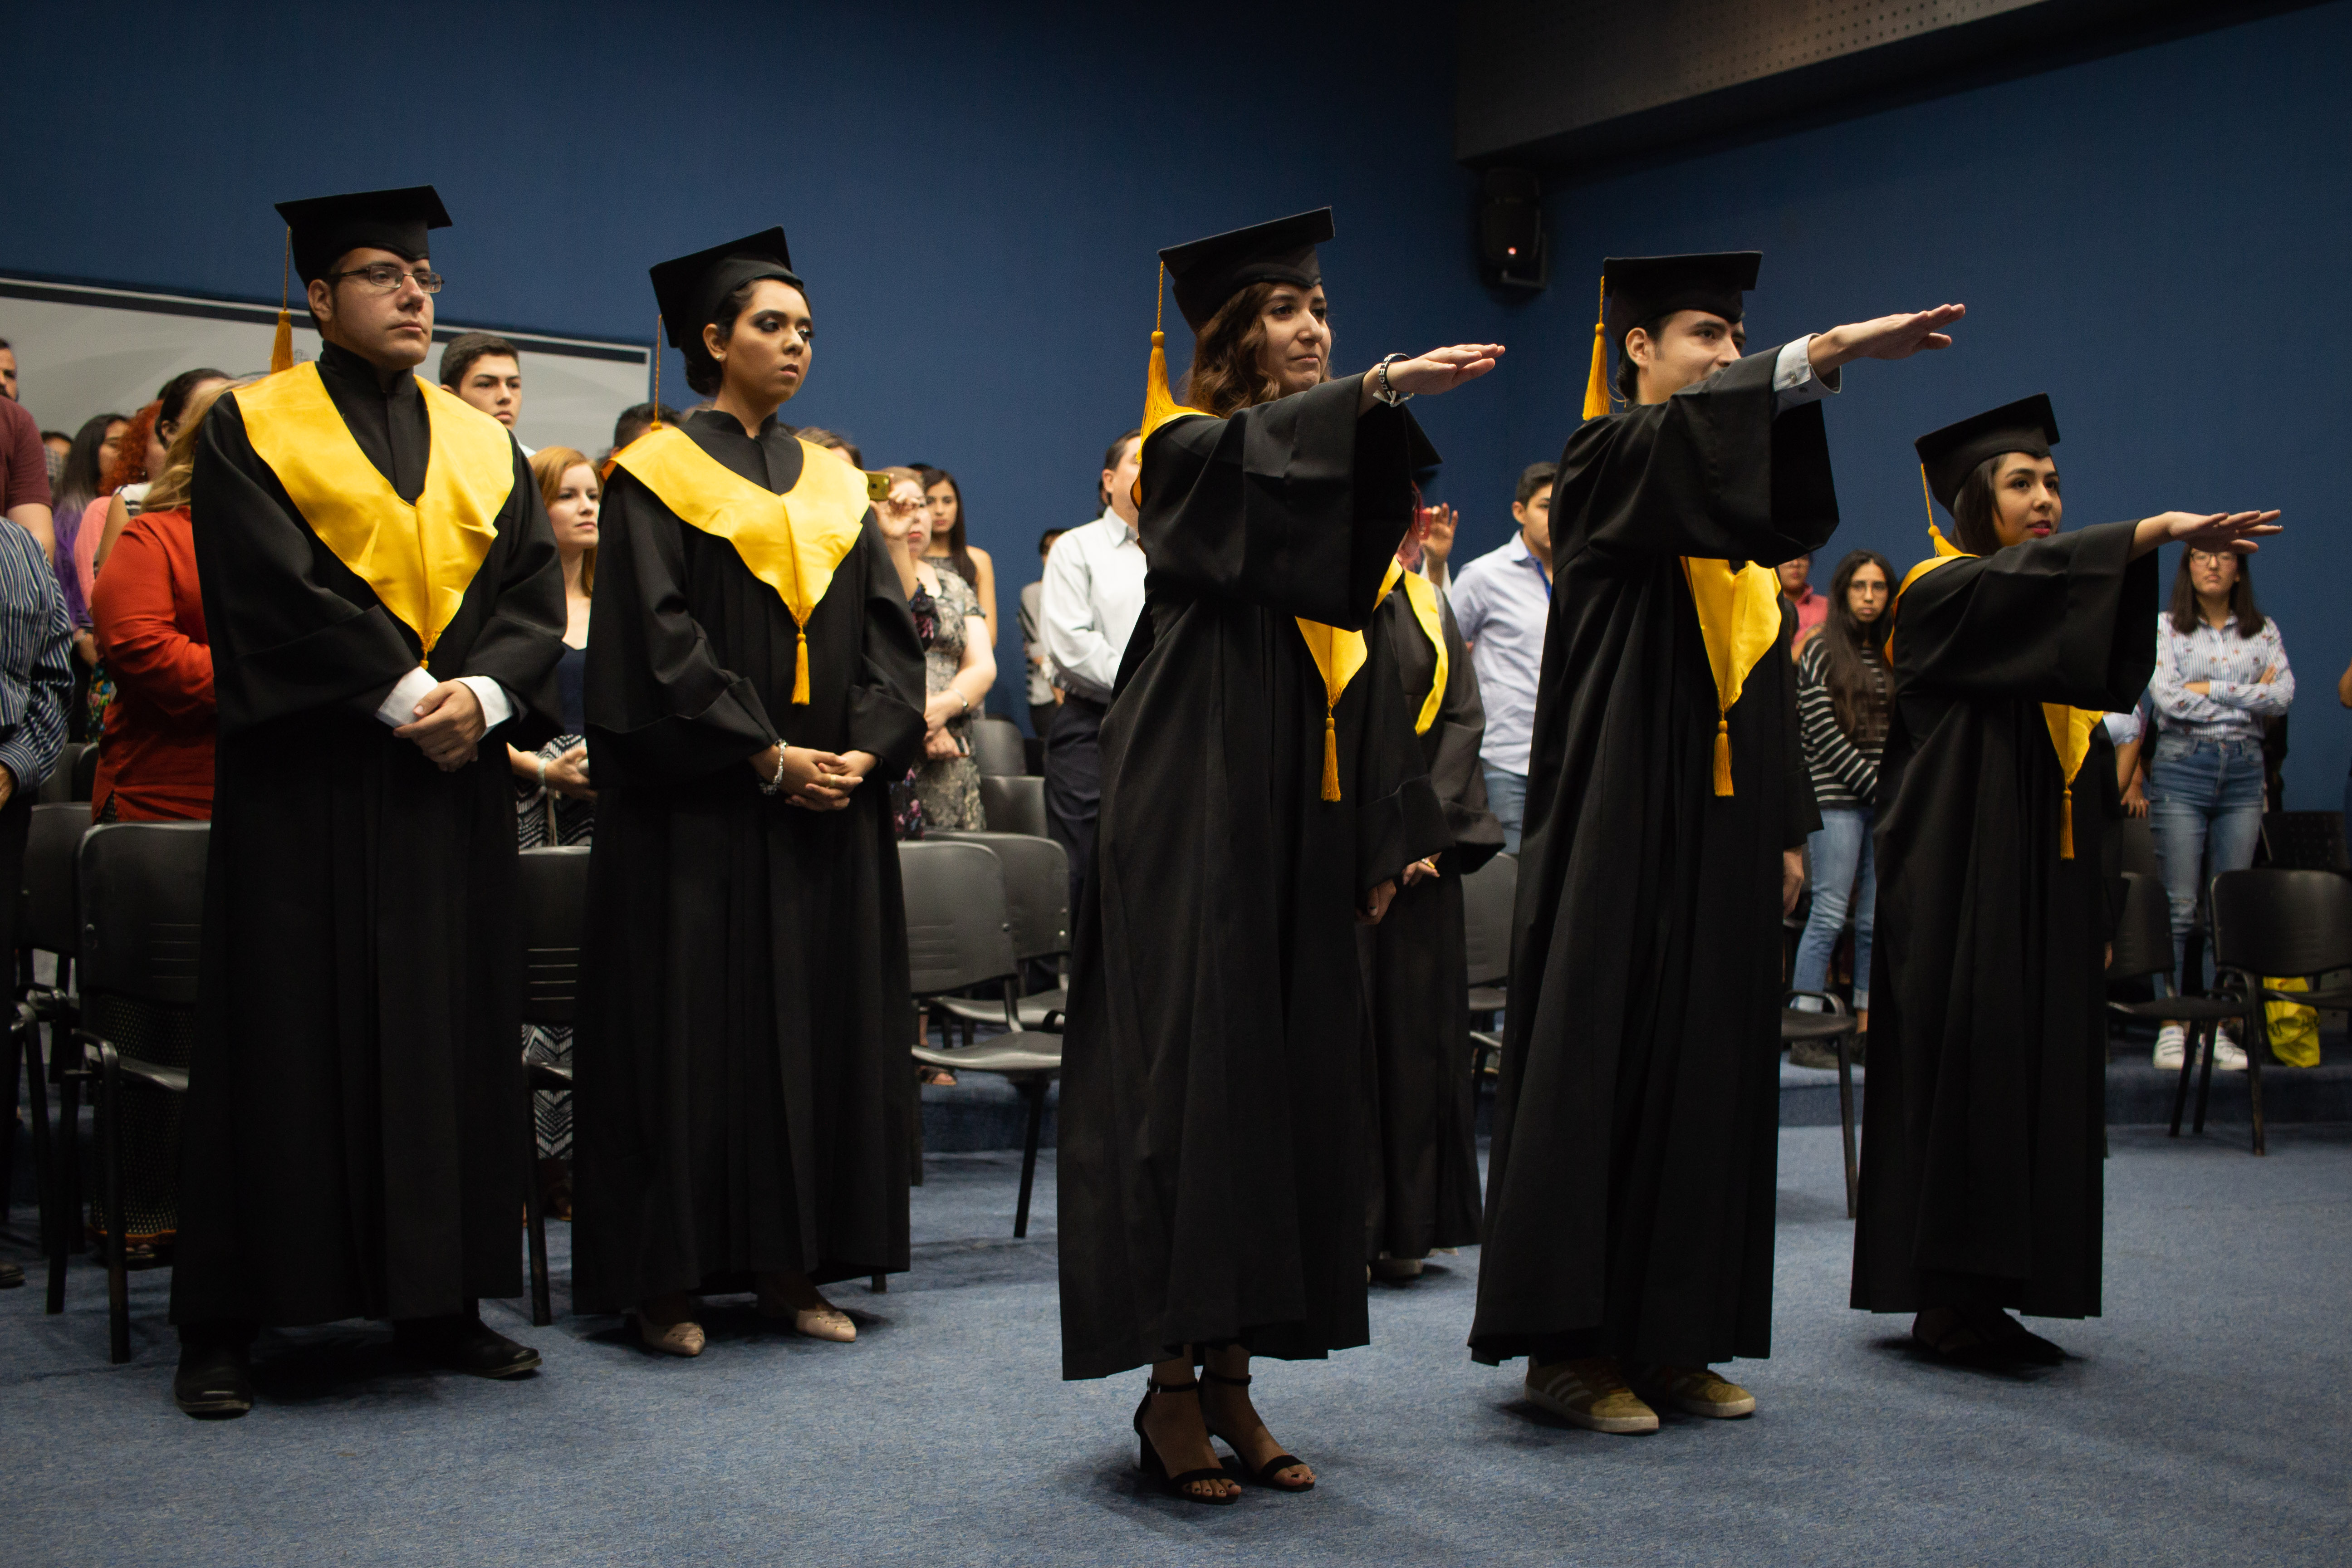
pixel 1951 454
pixel 691 288
pixel 1208 273
pixel 1639 289
pixel 325 227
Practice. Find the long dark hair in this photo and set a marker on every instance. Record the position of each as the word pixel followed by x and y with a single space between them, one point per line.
pixel 1225 375
pixel 79 485
pixel 1856 652
pixel 2184 609
pixel 959 551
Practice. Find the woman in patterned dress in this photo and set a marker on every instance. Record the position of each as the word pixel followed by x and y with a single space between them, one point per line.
pixel 957 669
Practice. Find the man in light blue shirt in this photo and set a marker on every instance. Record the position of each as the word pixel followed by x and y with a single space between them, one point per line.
pixel 1503 601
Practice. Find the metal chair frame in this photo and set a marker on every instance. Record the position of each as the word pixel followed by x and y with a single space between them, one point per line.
pixel 554 897
pixel 2301 928
pixel 1837 1024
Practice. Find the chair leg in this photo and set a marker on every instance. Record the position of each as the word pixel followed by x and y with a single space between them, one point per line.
pixel 1033 1091
pixel 2257 1041
pixel 15 1052
pixel 118 1269
pixel 2180 1088
pixel 879 1286
pixel 65 1180
pixel 1845 1119
pixel 36 1086
pixel 542 1312
pixel 2204 1042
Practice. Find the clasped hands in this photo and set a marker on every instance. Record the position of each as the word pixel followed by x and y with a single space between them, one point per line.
pixel 813 779
pixel 449 722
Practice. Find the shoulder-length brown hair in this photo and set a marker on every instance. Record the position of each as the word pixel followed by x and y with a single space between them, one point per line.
pixel 1856 652
pixel 548 466
pixel 170 487
pixel 2184 610
pixel 1225 375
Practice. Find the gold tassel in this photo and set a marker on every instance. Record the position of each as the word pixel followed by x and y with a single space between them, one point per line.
pixel 1723 755
pixel 657 351
pixel 281 346
pixel 1596 385
pixel 2066 825
pixel 800 672
pixel 1330 756
pixel 1160 405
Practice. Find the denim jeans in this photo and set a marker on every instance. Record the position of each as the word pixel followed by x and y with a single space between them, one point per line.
pixel 1507 797
pixel 2205 811
pixel 1845 877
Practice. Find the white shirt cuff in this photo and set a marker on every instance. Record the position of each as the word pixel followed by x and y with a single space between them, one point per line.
pixel 400 707
pixel 496 706
pixel 1793 381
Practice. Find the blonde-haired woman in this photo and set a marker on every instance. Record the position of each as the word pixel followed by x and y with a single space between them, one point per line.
pixel 553 804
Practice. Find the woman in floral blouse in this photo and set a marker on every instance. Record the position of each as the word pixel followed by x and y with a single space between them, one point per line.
pixel 2220 672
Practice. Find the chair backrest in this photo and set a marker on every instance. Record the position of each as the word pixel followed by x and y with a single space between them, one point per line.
pixel 2305 840
pixel 85 773
pixel 143 909
pixel 2144 931
pixel 996 746
pixel 47 920
pixel 1014 804
pixel 2284 923
pixel 956 931
pixel 1487 895
pixel 59 787
pixel 2138 847
pixel 1036 889
pixel 554 899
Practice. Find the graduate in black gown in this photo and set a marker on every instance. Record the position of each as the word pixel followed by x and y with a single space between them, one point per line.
pixel 1630 1185
pixel 1981 1184
pixel 1424 1138
pixel 1259 795
pixel 381 591
pixel 754 682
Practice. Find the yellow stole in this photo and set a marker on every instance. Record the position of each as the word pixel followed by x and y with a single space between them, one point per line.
pixel 1422 594
pixel 2070 728
pixel 791 541
pixel 420 559
pixel 1739 620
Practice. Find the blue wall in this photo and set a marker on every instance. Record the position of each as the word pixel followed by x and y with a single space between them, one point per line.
pixel 974 193
pixel 2158 240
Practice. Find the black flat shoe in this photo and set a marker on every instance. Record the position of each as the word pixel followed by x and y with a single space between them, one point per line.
pixel 1147 1458
pixel 214 1383
pixel 1264 1475
pixel 11 1276
pixel 464 1344
pixel 2005 1336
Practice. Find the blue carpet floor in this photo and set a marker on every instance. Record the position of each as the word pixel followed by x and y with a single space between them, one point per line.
pixel 2203 1420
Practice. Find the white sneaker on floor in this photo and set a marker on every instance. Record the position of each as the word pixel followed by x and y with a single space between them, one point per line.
pixel 2171 1045
pixel 2228 1055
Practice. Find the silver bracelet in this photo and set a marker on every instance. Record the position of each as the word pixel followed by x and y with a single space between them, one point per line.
pixel 775 786
pixel 1386 393
pixel 543 773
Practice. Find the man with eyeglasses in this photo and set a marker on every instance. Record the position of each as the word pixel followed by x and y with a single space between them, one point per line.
pixel 382 590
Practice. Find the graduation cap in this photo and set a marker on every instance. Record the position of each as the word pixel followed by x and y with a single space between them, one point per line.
pixel 321 230
pixel 691 288
pixel 1947 457
pixel 1639 289
pixel 1208 273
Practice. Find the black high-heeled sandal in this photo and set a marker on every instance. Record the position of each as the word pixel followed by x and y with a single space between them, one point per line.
pixel 1149 1461
pixel 1264 1475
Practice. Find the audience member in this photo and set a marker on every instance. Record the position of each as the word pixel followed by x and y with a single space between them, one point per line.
pixel 1438 526
pixel 1086 609
pixel 486 372
pixel 1796 586
pixel 834 442
pixel 87 464
pixel 60 445
pixel 7 372
pixel 2220 670
pixel 1842 701
pixel 897 514
pixel 554 805
pixel 949 540
pixel 171 408
pixel 958 670
pixel 1503 601
pixel 638 418
pixel 1040 692
pixel 24 473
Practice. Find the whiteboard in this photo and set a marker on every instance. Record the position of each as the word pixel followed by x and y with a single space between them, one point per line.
pixel 92 348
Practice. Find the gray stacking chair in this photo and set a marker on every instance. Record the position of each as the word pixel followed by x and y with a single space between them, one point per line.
pixel 1037 907
pixel 2143 948
pixel 2284 925
pixel 47 922
pixel 554 896
pixel 1014 804
pixel 1000 748
pixel 1836 1026
pixel 1487 895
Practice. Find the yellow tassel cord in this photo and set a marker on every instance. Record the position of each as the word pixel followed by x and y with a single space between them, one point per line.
pixel 1723 756
pixel 800 673
pixel 281 346
pixel 1330 755
pixel 1596 385
pixel 2066 826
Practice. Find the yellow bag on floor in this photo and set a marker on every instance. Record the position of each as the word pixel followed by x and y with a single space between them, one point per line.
pixel 2294 1028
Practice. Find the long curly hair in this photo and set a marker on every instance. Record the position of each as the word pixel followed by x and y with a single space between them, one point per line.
pixel 1225 374
pixel 1856 653
pixel 129 465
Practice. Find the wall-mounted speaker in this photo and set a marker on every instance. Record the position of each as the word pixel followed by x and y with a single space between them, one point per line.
pixel 1510 230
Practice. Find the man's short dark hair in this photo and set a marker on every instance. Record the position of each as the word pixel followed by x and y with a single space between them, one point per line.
pixel 638 418
pixel 465 348
pixel 1538 477
pixel 1046 540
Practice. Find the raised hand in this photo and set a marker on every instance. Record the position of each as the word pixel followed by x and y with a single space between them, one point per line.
pixel 1897 336
pixel 1441 370
pixel 2214 531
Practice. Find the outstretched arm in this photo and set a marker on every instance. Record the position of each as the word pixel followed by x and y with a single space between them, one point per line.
pixel 1898 336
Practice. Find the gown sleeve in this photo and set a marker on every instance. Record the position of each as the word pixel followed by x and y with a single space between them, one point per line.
pixel 1453 770
pixel 1802 810
pixel 1715 471
pixel 660 707
pixel 1295 505
pixel 2070 618
pixel 522 640
pixel 886 705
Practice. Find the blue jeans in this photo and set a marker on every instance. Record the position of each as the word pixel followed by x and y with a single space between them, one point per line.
pixel 1507 797
pixel 2205 810
pixel 1845 876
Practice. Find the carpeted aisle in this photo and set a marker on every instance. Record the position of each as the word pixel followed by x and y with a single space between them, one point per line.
pixel 2204 1420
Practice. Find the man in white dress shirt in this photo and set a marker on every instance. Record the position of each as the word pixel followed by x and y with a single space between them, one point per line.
pixel 1093 594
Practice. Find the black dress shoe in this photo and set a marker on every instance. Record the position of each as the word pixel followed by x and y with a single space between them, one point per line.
pixel 464 1344
pixel 11 1276
pixel 214 1381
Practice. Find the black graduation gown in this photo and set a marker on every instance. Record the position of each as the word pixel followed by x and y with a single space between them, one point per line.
pixel 1425 1141
pixel 1981 1181
pixel 1212 1115
pixel 741 1052
pixel 1630 1185
pixel 351 1141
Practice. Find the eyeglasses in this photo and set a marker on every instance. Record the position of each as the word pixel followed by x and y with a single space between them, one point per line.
pixel 384 277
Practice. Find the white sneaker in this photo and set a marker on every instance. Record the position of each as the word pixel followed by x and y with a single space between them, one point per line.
pixel 2171 1045
pixel 2228 1055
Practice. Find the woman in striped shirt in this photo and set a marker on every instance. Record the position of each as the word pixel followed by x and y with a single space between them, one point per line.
pixel 1842 693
